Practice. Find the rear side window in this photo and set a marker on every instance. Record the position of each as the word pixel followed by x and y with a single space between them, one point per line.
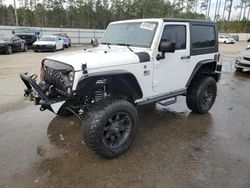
pixel 176 34
pixel 203 36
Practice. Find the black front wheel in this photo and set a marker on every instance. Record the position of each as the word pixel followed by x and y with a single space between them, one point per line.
pixel 110 127
pixel 9 50
pixel 201 94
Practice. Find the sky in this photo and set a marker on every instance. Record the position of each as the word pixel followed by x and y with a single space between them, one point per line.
pixel 234 12
pixel 212 11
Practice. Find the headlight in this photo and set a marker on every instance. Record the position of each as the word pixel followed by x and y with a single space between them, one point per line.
pixel 71 76
pixel 239 58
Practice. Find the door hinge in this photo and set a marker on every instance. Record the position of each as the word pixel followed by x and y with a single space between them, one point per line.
pixel 156 64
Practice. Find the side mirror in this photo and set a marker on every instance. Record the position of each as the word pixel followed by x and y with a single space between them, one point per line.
pixel 13 32
pixel 38 33
pixel 165 46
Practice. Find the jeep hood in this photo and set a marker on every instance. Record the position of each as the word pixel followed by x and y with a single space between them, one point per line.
pixel 100 57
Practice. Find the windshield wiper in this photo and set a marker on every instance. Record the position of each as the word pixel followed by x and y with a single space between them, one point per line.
pixel 128 46
pixel 107 43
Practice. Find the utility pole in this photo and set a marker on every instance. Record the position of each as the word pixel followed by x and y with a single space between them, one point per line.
pixel 230 10
pixel 215 13
pixel 209 6
pixel 218 13
pixel 224 9
pixel 16 13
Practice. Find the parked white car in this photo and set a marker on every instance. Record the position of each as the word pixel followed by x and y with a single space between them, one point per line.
pixel 48 43
pixel 242 63
pixel 226 40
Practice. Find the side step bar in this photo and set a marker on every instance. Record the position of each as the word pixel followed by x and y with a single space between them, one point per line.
pixel 167 102
pixel 161 99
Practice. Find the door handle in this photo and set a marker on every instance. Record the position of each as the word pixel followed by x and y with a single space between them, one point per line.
pixel 185 57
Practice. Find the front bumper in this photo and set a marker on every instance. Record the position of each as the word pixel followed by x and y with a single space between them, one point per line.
pixel 40 94
pixel 44 48
pixel 242 65
pixel 3 49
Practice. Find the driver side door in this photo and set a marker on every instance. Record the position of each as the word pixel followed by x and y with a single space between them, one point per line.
pixel 170 73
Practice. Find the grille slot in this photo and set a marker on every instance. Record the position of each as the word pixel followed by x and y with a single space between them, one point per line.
pixel 246 58
pixel 57 79
pixel 56 74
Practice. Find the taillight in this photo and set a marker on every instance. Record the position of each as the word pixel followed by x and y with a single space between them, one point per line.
pixel 42 71
pixel 217 57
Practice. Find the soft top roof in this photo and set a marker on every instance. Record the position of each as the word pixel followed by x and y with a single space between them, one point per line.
pixel 188 20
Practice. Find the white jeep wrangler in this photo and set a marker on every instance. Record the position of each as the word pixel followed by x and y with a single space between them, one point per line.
pixel 138 62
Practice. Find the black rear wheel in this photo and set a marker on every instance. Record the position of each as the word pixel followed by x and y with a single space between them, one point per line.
pixel 201 94
pixel 110 127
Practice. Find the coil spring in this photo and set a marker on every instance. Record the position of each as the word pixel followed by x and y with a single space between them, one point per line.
pixel 99 94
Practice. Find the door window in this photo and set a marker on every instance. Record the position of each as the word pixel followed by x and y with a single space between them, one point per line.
pixel 203 36
pixel 175 34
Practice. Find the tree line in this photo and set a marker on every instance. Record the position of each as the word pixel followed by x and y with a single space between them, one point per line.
pixel 89 13
pixel 97 14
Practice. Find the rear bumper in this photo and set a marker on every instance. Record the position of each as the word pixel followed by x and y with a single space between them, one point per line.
pixel 42 99
pixel 217 73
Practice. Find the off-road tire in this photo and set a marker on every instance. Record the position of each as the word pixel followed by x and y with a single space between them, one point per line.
pixel 196 94
pixel 97 120
pixel 9 50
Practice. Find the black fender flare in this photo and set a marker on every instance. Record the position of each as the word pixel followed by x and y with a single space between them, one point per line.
pixel 120 81
pixel 209 63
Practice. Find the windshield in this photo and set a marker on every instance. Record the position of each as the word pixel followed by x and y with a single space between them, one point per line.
pixel 47 39
pixel 24 30
pixel 139 34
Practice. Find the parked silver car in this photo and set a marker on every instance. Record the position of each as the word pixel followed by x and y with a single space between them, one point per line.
pixel 243 61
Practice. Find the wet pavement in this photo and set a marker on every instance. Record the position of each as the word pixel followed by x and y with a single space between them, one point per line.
pixel 173 147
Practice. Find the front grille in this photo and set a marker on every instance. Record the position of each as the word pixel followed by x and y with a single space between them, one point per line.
pixel 26 36
pixel 243 65
pixel 56 74
pixel 55 78
pixel 42 47
pixel 246 58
